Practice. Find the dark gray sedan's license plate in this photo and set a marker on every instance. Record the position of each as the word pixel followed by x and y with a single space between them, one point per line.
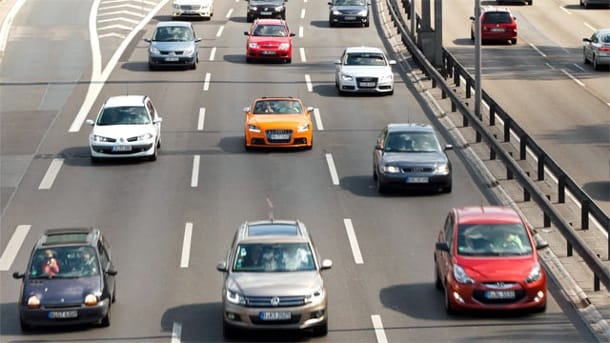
pixel 62 314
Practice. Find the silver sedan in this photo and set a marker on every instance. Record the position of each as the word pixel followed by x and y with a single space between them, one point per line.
pixel 596 49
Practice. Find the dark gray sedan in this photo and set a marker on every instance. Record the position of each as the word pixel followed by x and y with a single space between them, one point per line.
pixel 354 12
pixel 410 156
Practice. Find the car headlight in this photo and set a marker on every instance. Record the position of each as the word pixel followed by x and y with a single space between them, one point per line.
pixel 461 276
pixel 442 168
pixel 235 298
pixel 189 51
pixel 535 274
pixel 346 77
pixel 284 46
pixel 391 169
pixel 303 127
pixel 362 13
pixel 176 6
pixel 314 296
pixel 252 8
pixel 145 137
pixel 335 12
pixel 253 128
pixel 90 300
pixel 253 45
pixel 98 138
pixel 386 78
pixel 34 301
pixel 279 8
pixel 154 50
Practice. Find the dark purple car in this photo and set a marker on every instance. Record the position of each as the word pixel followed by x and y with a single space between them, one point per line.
pixel 70 279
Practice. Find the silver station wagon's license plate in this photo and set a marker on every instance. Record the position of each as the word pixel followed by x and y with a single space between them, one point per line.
pixel 275 315
pixel 500 294
pixel 171 59
pixel 62 314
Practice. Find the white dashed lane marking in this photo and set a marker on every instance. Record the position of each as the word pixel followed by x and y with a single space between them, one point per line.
pixel 13 246
pixel 206 83
pixel 195 173
pixel 353 241
pixel 176 332
pixel 201 119
pixel 51 174
pixel 213 54
pixel 186 245
pixel 308 83
pixel 379 331
pixel 318 118
pixel 331 168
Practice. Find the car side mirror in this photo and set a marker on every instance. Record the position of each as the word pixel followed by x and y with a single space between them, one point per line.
pixel 246 109
pixel 221 266
pixel 448 147
pixel 472 18
pixel 442 246
pixel 330 3
pixel 588 40
pixel 378 147
pixel 198 39
pixel 90 122
pixel 158 120
pixel 337 62
pixel 112 272
pixel 18 275
pixel 292 34
pixel 392 62
pixel 246 33
pixel 326 264
pixel 147 40
pixel 310 109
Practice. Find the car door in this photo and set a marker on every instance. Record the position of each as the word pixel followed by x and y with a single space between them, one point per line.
pixel 154 116
pixel 378 150
pixel 107 267
pixel 443 258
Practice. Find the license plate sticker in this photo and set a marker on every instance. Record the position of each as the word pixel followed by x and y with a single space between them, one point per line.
pixel 500 294
pixel 275 315
pixel 417 179
pixel 121 148
pixel 171 59
pixel 62 314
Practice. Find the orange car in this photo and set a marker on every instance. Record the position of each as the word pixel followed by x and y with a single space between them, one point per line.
pixel 278 122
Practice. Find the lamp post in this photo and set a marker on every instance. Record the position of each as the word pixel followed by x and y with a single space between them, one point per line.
pixel 477 58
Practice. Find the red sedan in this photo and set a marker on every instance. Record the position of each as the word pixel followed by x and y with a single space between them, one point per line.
pixel 497 24
pixel 269 39
pixel 486 259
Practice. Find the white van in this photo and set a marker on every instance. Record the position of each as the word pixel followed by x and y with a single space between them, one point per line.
pixel 193 8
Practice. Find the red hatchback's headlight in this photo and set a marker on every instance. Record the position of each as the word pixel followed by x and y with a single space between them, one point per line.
pixel 535 274
pixel 460 275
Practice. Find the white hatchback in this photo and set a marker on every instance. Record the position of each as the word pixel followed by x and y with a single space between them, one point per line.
pixel 126 126
pixel 365 70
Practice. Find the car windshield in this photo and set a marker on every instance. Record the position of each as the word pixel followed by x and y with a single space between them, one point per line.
pixel 350 3
pixel 127 115
pixel 604 38
pixel 365 59
pixel 64 262
pixel 417 142
pixel 493 240
pixel 173 34
pixel 274 2
pixel 497 18
pixel 276 257
pixel 278 107
pixel 270 31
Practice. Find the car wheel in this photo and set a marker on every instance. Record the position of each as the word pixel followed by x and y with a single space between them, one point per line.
pixel 530 2
pixel 228 331
pixel 446 189
pixel 249 19
pixel 541 309
pixel 381 187
pixel 288 60
pixel 152 66
pixel 594 62
pixel 471 35
pixel 159 144
pixel 153 157
pixel 114 294
pixel 437 280
pixel 95 160
pixel 106 320
pixel 391 92
pixel 321 330
pixel 374 174
pixel 331 24
pixel 24 326
pixel 586 60
pixel 448 307
pixel 581 4
pixel 513 41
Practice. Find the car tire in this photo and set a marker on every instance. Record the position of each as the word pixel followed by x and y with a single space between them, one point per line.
pixel 114 294
pixel 321 330
pixel 95 160
pixel 594 63
pixel 448 307
pixel 530 2
pixel 288 60
pixel 447 189
pixel 249 19
pixel 24 326
pixel 228 331
pixel 105 322
pixel 374 174
pixel 381 187
pixel 541 309
pixel 153 157
pixel 390 92
pixel 586 60
pixel 367 24
pixel 331 24
pixel 513 41
pixel 152 66
pixel 471 35
pixel 437 280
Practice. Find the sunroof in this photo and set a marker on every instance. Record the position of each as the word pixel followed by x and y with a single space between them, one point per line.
pixel 273 230
pixel 66 238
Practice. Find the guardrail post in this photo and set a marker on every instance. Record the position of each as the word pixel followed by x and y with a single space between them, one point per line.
pixel 464 121
pixel 523 148
pixel 584 214
pixel 478 138
pixel 596 283
pixel 546 218
pixel 456 76
pixel 468 92
pixel 492 114
pixel 507 122
pixel 561 188
pixel 541 160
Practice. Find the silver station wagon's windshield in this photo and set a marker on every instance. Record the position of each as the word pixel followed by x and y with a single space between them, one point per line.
pixel 276 257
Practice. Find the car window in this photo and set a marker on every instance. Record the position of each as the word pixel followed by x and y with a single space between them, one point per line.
pixel 173 34
pixel 270 31
pixel 605 38
pixel 277 257
pixel 493 240
pixel 64 262
pixel 365 59
pixel 350 3
pixel 126 115
pixel 416 142
pixel 497 18
pixel 278 107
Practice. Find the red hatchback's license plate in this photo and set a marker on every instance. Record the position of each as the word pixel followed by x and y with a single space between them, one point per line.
pixel 497 29
pixel 500 294
pixel 279 315
pixel 62 314
pixel 268 52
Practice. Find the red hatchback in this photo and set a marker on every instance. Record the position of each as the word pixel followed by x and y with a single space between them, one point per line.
pixel 486 259
pixel 497 24
pixel 269 39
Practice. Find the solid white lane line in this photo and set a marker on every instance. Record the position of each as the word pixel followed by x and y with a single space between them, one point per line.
pixel 206 83
pixel 573 78
pixel 229 13
pixel 6 25
pixel 300 31
pixel 379 332
pixel 186 245
pixel 308 82
pixel 331 168
pixel 176 332
pixel 212 53
pixel 537 50
pixel 590 26
pixel 353 241
pixel 565 10
pixel 316 115
pixel 51 174
pixel 195 174
pixel 302 53
pixel 13 246
pixel 201 119
pixel 302 13
pixel 220 29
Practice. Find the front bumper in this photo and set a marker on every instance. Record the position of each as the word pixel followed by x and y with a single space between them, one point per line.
pixel 263 139
pixel 202 12
pixel 85 314
pixel 261 53
pixel 126 150
pixel 348 19
pixel 301 317
pixel 414 181
pixel 366 85
pixel 172 60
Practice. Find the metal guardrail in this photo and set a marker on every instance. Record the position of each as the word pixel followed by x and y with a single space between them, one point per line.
pixel 451 67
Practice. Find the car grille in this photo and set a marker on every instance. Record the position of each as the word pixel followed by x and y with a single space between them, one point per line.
pixel 169 52
pixel 295 318
pixel 266 301
pixel 417 169
pixel 349 11
pixel 367 82
pixel 61 305
pixel 187 7
pixel 272 136
pixel 479 294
